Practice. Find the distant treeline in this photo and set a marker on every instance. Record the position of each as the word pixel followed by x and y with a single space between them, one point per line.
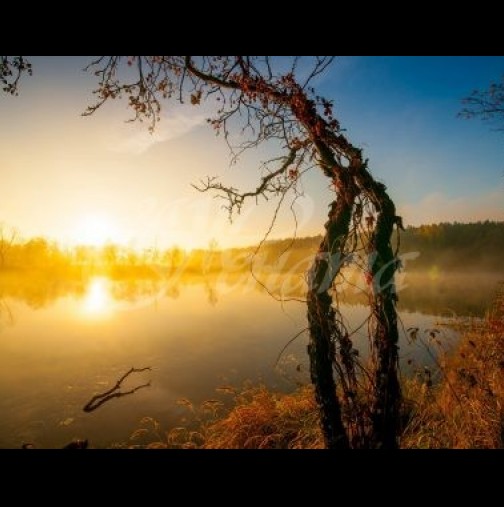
pixel 450 247
pixel 456 247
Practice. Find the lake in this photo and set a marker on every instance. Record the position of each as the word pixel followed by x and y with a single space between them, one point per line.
pixel 60 346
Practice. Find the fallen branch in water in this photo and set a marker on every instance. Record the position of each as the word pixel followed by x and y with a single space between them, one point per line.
pixel 99 399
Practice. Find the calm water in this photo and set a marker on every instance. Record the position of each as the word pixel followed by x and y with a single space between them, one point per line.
pixel 57 352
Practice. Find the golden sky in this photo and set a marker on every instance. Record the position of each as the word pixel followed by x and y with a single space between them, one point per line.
pixel 95 179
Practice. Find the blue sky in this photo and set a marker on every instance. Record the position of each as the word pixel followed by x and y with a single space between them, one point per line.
pixel 403 110
pixel 93 179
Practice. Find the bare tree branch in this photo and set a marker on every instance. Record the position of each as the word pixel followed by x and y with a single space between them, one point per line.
pixel 236 199
pixel 99 399
pixel 488 105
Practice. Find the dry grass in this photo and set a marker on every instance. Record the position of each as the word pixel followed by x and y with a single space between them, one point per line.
pixel 464 410
pixel 259 419
pixel 265 420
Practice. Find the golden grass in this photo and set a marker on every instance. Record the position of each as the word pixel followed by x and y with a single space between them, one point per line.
pixel 259 419
pixel 262 419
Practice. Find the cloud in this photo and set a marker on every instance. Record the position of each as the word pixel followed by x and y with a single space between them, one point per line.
pixel 437 207
pixel 135 138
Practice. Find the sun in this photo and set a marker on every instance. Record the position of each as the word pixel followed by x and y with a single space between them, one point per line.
pixel 95 230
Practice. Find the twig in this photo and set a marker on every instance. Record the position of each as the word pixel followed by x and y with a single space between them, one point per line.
pixel 297 335
pixel 99 399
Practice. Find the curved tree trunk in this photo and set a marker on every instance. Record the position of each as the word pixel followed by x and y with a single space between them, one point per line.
pixel 324 333
pixel 330 347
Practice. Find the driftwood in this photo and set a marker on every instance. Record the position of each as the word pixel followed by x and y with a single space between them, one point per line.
pixel 99 399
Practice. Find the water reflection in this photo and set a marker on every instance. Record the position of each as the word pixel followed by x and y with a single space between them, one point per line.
pixel 443 294
pixel 97 301
pixel 197 333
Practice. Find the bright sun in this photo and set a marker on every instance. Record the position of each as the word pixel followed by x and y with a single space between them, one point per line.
pixel 95 230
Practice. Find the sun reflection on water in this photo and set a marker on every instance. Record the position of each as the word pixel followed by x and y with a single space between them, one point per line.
pixel 98 300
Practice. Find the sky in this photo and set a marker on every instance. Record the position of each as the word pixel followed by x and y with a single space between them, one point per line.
pixel 95 179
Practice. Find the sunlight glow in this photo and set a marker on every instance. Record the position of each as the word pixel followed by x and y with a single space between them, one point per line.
pixel 97 301
pixel 95 230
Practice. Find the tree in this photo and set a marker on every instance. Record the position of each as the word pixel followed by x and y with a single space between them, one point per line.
pixel 487 105
pixel 274 106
